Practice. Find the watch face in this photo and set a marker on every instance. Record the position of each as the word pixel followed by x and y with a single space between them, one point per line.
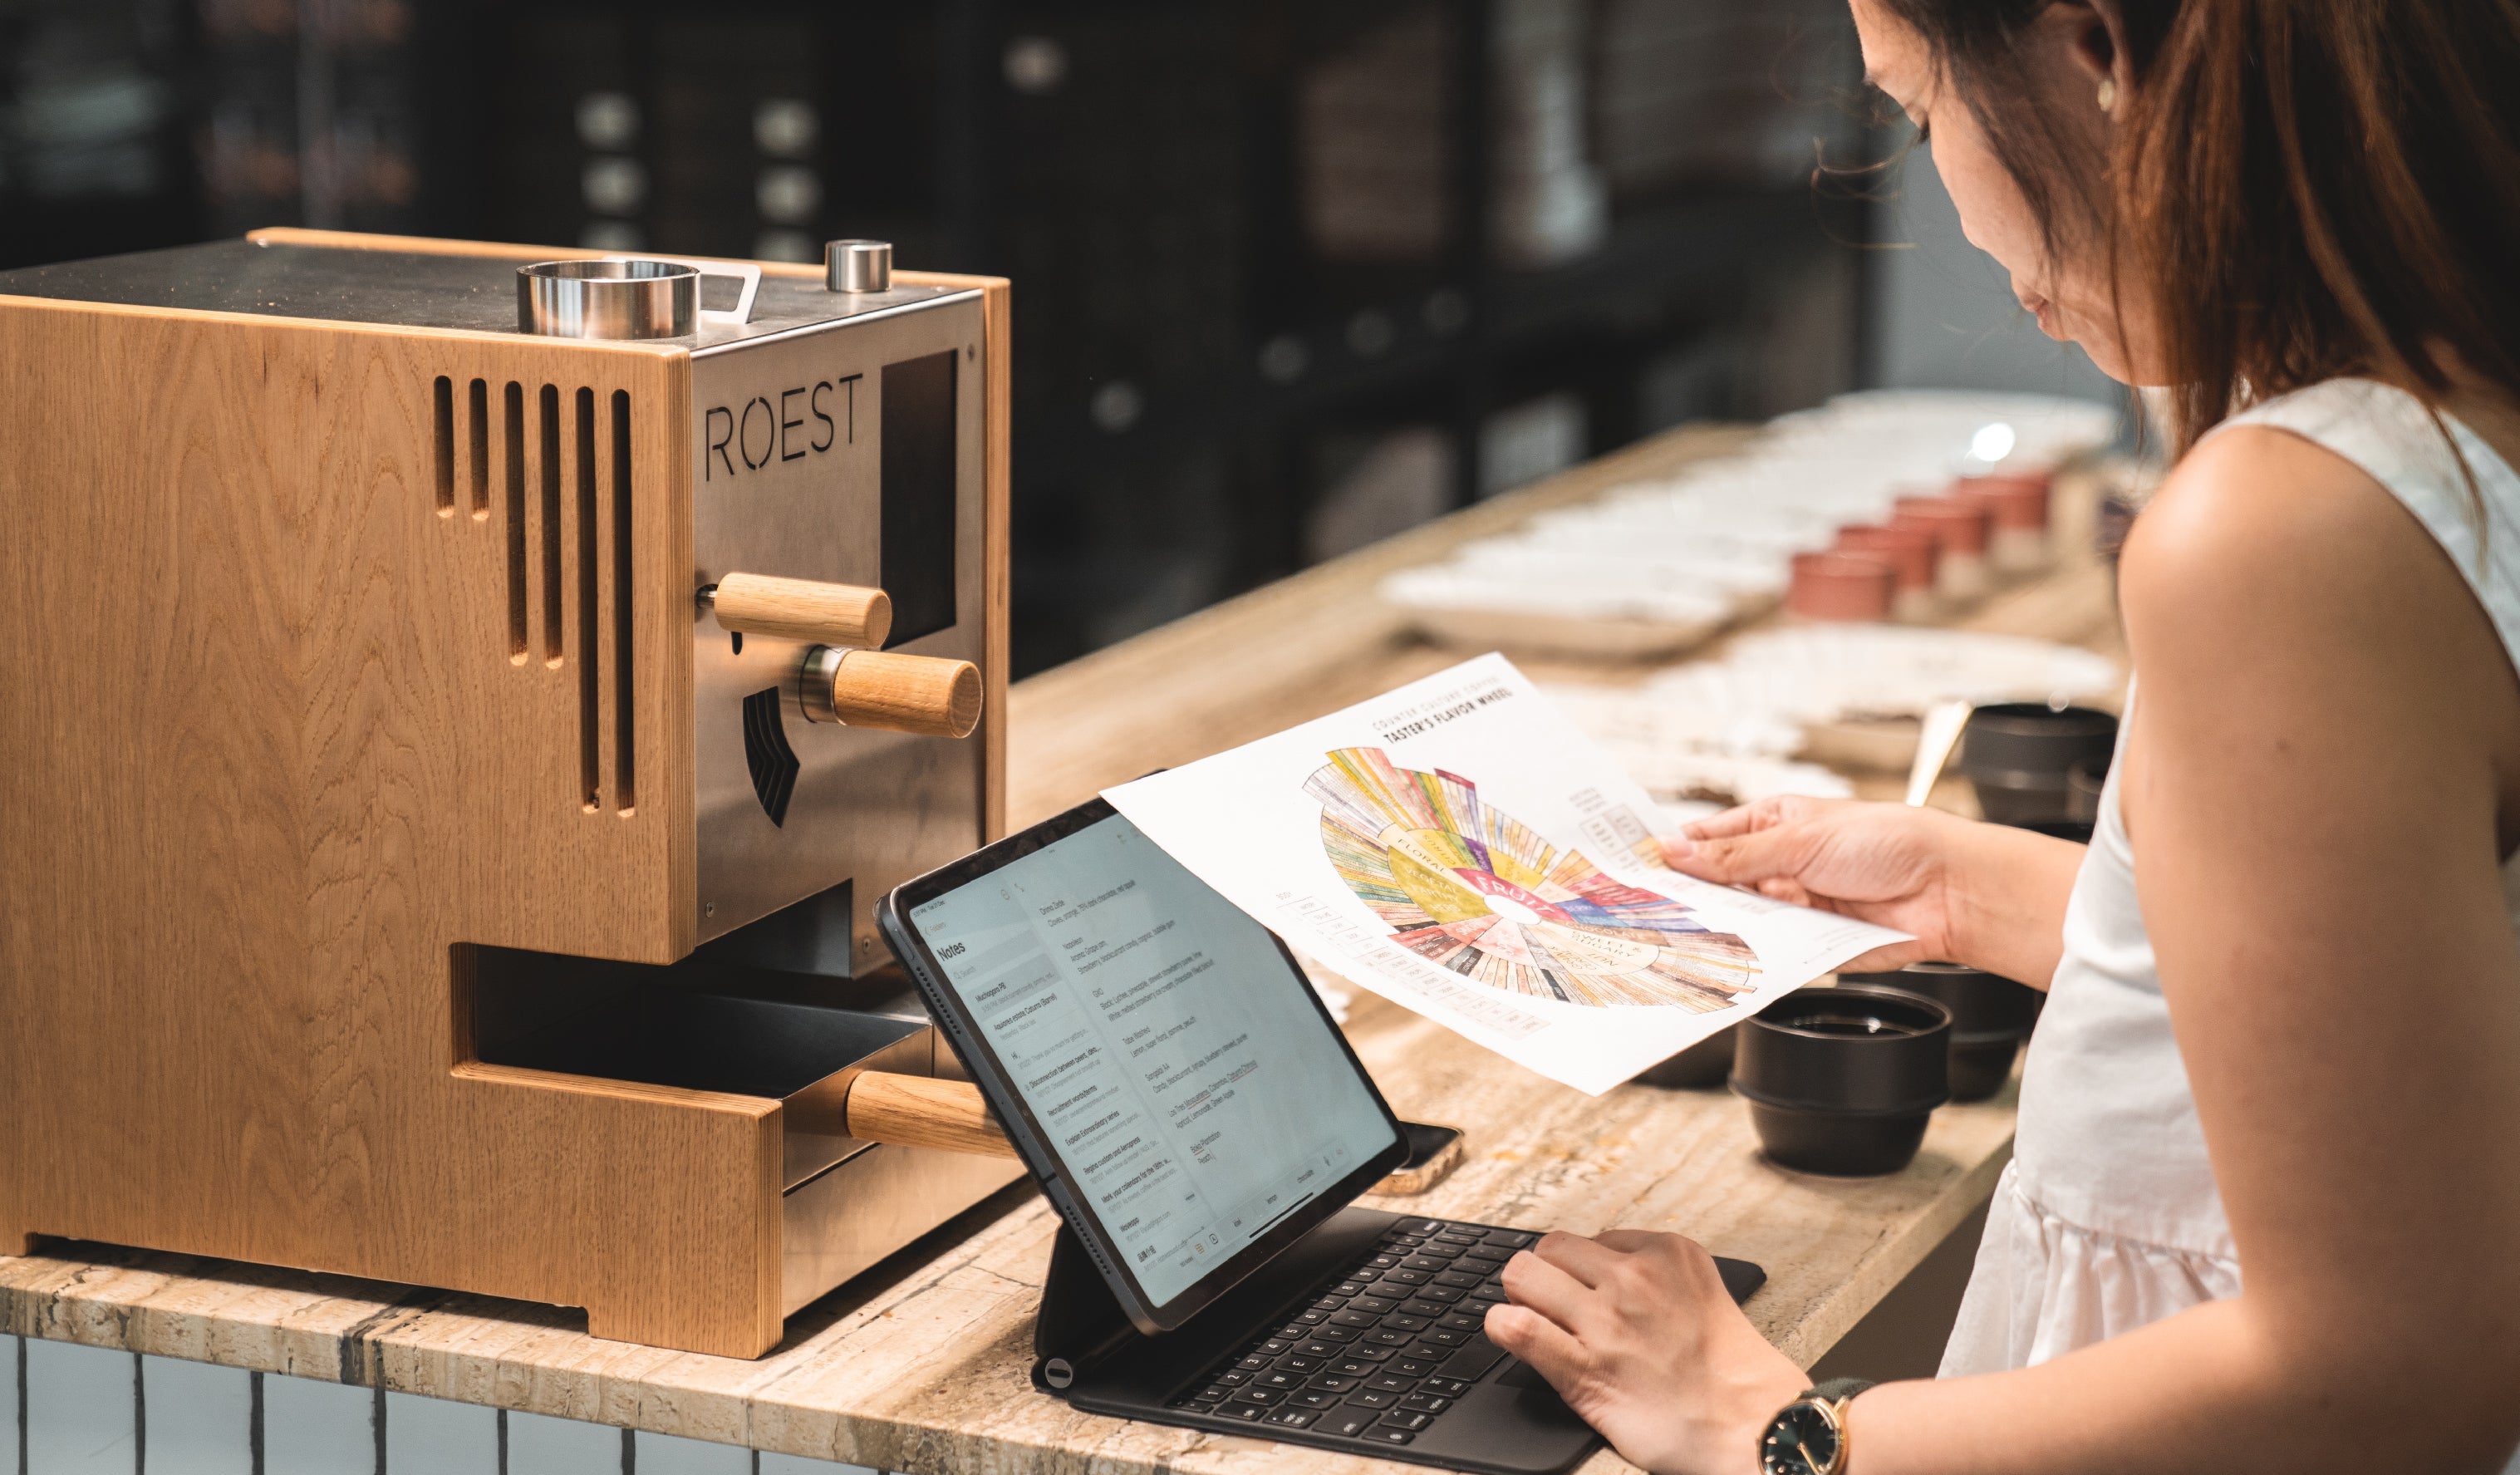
pixel 1803 1441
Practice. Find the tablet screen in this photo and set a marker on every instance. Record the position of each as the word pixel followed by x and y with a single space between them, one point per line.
pixel 1191 1087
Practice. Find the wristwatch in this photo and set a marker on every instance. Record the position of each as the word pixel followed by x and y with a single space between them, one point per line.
pixel 1809 1436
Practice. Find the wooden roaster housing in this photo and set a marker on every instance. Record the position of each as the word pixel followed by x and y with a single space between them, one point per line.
pixel 303 704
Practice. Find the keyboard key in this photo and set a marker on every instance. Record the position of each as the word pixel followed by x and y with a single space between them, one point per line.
pixel 1352 1367
pixel 1349 1423
pixel 1462 1320
pixel 1444 1294
pixel 1350 1287
pixel 1312 1318
pixel 1391 1337
pixel 1290 1333
pixel 1401 1418
pixel 1329 1303
pixel 1422 1226
pixel 1429 1262
pixel 1274 1346
pixel 1373 1398
pixel 1248 1412
pixel 1443 1336
pixel 1298 1363
pixel 1261 1396
pixel 1316 1398
pixel 1403 1275
pixel 1483 1255
pixel 1337 1382
pixel 1425 1403
pixel 1460 1235
pixel 1424 1351
pixel 1295 1418
pixel 1436 1249
pixel 1420 1306
pixel 1279 1378
pixel 1355 1319
pixel 1214 1393
pixel 1444 1387
pixel 1190 1404
pixel 1370 1352
pixel 1254 1362
pixel 1462 1279
pixel 1374 1304
pixel 1410 1367
pixel 1512 1239
pixel 1391 1383
pixel 1475 1359
pixel 1320 1349
pixel 1402 1322
pixel 1327 1333
pixel 1235 1378
pixel 1384 1434
pixel 1382 1262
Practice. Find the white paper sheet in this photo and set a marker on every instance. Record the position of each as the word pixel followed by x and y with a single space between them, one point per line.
pixel 1460 848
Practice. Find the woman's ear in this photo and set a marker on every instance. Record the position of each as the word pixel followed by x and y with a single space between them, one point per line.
pixel 2093 39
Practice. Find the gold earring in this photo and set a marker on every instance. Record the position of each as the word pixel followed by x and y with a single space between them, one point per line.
pixel 2108 94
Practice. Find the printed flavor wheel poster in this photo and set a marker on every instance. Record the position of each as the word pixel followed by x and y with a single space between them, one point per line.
pixel 1463 885
pixel 1460 848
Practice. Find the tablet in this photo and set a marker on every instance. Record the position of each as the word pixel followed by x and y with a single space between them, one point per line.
pixel 1159 1061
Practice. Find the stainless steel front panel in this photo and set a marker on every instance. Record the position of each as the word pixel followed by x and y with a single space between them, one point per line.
pixel 785 479
pixel 871 1205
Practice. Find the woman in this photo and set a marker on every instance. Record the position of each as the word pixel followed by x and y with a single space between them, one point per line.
pixel 2264 1209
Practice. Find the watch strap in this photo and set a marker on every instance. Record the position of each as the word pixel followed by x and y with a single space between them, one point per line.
pixel 1836 1390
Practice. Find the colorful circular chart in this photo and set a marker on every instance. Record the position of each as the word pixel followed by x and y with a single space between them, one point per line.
pixel 1465 886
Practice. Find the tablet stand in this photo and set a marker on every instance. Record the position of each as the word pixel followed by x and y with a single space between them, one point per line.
pixel 1080 1322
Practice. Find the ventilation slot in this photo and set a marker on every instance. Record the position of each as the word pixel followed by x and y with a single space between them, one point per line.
pixel 478 403
pixel 766 751
pixel 625 747
pixel 553 602
pixel 517 597
pixel 444 442
pixel 590 630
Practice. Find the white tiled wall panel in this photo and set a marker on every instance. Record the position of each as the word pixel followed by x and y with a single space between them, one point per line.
pixel 792 1465
pixel 90 1411
pixel 11 1349
pixel 540 1445
pixel 317 1428
pixel 81 1411
pixel 198 1417
pixel 668 1455
pixel 435 1435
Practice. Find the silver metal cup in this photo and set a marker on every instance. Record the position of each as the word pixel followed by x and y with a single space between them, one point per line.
pixel 857 265
pixel 631 298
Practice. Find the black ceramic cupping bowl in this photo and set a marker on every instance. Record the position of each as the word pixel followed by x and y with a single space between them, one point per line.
pixel 1842 1081
pixel 2020 755
pixel 1991 1015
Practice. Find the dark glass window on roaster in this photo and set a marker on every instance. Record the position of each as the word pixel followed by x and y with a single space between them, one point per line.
pixel 919 495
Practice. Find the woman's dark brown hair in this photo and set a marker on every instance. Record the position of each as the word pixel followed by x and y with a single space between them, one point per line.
pixel 2304 188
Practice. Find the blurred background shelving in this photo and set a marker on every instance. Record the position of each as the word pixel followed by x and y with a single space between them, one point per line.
pixel 1291 275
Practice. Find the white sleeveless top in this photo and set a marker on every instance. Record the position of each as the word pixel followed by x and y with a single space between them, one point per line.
pixel 2107 1217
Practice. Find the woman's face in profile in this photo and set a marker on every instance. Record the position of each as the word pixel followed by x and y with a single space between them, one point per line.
pixel 2069 296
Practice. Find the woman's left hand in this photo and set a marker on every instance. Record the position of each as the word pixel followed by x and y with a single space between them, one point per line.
pixel 1636 1331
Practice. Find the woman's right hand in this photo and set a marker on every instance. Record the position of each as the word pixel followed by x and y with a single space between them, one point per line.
pixel 1888 863
pixel 1989 896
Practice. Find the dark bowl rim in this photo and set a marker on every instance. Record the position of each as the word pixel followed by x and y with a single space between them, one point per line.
pixel 1943 1026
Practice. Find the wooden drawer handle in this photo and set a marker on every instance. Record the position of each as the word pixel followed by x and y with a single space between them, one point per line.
pixel 916 1112
pixel 926 695
pixel 803 609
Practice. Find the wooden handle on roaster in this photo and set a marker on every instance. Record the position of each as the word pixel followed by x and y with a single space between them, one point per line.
pixel 918 1111
pixel 803 609
pixel 926 695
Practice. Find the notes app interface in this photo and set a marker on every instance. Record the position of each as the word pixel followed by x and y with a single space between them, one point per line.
pixel 1187 1084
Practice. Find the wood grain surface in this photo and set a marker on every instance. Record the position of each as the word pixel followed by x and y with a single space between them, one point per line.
pixel 803 609
pixel 920 1111
pixel 922 1365
pixel 893 693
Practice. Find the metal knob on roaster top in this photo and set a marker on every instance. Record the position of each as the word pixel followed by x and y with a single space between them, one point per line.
pixel 857 265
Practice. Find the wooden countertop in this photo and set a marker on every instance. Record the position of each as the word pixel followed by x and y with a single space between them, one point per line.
pixel 922 1366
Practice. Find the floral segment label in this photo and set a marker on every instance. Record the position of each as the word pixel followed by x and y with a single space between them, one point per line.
pixel 1460 848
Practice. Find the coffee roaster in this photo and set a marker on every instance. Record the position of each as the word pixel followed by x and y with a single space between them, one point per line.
pixel 464 704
